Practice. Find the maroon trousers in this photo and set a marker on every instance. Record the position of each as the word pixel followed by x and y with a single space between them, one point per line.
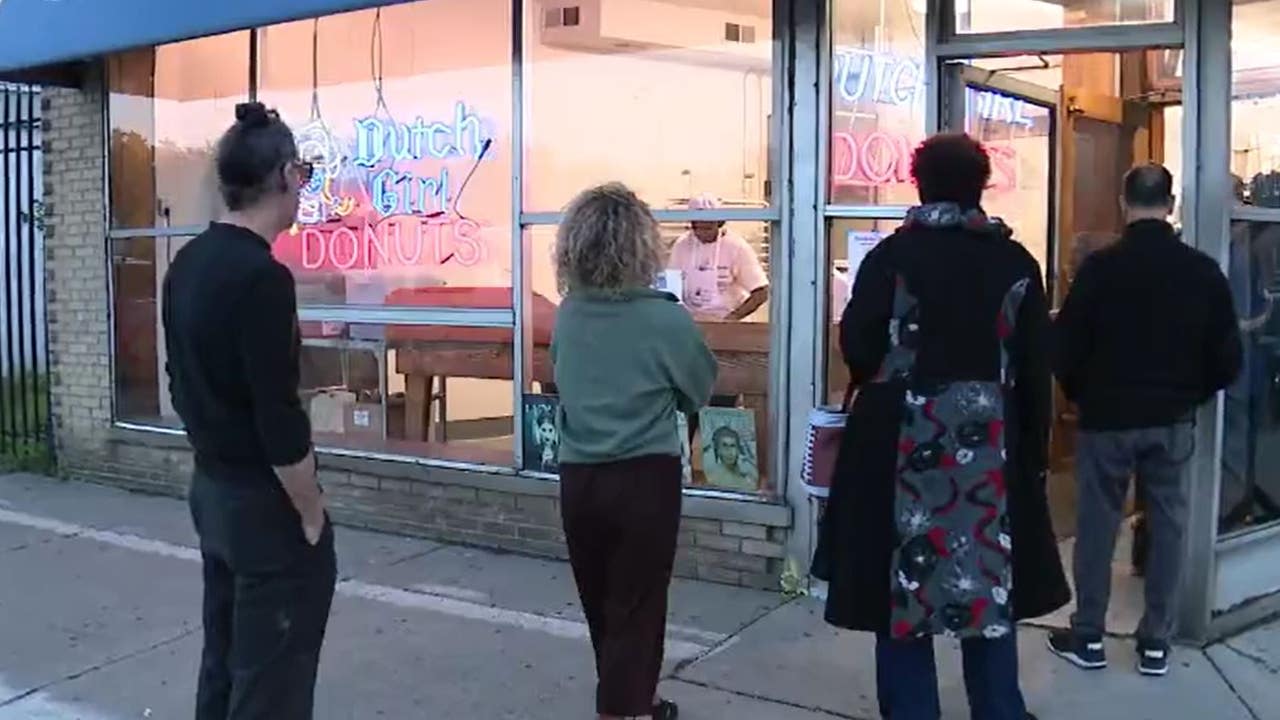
pixel 620 522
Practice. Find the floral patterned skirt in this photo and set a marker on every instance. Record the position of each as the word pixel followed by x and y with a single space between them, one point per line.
pixel 952 561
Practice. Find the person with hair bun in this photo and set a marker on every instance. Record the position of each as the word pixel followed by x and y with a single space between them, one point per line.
pixel 626 359
pixel 231 331
pixel 938 520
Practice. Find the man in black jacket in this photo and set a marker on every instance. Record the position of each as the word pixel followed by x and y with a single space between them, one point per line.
pixel 1147 334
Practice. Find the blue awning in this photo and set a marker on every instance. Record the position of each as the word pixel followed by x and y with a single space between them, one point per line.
pixel 45 32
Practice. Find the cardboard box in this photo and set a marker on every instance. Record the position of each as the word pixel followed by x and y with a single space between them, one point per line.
pixel 364 420
pixel 327 408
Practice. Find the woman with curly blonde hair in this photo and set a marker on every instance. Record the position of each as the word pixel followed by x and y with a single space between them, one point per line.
pixel 626 358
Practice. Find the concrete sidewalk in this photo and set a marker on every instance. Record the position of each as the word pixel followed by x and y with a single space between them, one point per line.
pixel 99 620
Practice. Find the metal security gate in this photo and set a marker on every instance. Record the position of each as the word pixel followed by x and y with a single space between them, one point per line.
pixel 25 432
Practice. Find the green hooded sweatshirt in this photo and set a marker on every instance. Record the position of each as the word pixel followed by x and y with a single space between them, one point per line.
pixel 625 362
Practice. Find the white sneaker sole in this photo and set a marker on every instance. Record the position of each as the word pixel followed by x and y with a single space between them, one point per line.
pixel 1154 672
pixel 1076 659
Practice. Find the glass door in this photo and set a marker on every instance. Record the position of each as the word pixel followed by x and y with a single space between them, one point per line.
pixel 1019 122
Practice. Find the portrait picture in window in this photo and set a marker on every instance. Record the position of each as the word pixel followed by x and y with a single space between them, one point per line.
pixel 729 452
pixel 541 434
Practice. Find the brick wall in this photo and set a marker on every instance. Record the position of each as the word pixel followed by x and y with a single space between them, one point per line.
pixel 450 505
pixel 76 271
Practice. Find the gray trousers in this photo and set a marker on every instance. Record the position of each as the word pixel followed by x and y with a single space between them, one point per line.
pixel 1104 463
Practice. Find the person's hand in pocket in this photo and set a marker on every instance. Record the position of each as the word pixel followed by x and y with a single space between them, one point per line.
pixel 313 521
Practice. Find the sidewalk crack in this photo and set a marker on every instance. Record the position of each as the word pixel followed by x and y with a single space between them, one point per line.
pixel 728 640
pixel 1231 686
pixel 99 666
pixel 1251 657
pixel 767 699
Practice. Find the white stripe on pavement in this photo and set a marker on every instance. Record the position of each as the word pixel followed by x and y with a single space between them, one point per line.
pixel 39 706
pixel 122 540
pixel 558 627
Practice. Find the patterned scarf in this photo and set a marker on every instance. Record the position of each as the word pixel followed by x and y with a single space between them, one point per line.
pixel 951 215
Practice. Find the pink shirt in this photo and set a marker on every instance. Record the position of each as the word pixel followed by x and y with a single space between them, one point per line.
pixel 719 276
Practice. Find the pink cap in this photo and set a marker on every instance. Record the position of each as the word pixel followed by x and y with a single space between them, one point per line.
pixel 705 201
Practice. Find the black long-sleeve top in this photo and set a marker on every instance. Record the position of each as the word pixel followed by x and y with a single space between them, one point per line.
pixel 1147 332
pixel 231 332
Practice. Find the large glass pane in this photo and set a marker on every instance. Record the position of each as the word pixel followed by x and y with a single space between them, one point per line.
pixel 1009 15
pixel 848 242
pixel 741 401
pixel 410 390
pixel 423 391
pixel 1251 436
pixel 168 105
pixel 1018 136
pixel 406 110
pixel 877 101
pixel 138 267
pixel 1255 86
pixel 673 97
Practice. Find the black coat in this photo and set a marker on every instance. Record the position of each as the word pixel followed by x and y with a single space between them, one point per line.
pixel 959 277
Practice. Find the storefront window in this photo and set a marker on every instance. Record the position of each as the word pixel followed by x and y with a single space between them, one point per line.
pixel 849 241
pixel 673 98
pixel 1008 15
pixel 138 267
pixel 1251 432
pixel 168 106
pixel 729 443
pixel 406 110
pixel 1255 88
pixel 424 390
pixel 877 101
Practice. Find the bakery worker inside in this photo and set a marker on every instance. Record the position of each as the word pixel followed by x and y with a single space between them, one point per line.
pixel 723 279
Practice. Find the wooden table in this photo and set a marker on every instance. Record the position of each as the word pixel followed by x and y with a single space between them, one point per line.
pixel 741 349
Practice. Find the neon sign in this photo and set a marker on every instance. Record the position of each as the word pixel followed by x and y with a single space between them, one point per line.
pixel 369 204
pixel 884 79
pixel 863 75
pixel 398 241
pixel 378 141
pixel 880 158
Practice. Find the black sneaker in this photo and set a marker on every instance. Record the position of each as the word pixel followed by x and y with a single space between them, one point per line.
pixel 665 710
pixel 1153 658
pixel 1084 652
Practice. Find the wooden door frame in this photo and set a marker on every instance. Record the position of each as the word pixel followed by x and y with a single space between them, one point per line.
pixel 1075 104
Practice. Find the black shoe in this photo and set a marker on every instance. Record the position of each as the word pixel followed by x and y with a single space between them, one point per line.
pixel 1153 658
pixel 665 710
pixel 1084 652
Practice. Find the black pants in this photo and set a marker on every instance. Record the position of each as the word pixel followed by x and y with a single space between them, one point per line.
pixel 620 521
pixel 267 594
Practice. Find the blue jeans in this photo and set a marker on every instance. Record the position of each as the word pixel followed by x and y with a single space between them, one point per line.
pixel 907 679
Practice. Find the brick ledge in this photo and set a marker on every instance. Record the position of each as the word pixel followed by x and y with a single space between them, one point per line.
pixel 753 512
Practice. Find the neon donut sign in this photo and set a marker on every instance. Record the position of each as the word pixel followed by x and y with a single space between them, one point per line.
pixel 879 158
